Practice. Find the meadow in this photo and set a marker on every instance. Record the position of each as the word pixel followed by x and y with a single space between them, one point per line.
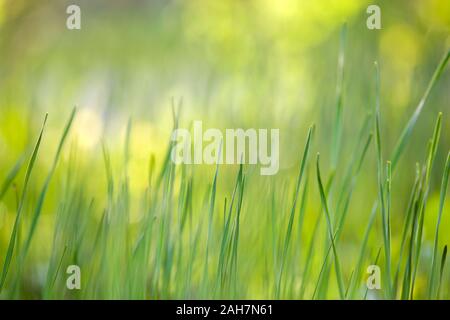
pixel 87 179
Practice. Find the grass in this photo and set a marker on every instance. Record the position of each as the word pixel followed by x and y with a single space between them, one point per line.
pixel 293 210
pixel 252 239
pixel 13 239
pixel 434 284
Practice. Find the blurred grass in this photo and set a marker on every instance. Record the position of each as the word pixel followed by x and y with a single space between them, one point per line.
pixel 111 202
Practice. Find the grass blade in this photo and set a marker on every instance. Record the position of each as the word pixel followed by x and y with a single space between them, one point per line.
pixel 293 208
pixel 330 231
pixel 38 209
pixel 407 131
pixel 443 193
pixel 11 176
pixel 12 241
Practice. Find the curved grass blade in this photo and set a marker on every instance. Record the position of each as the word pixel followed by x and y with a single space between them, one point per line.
pixel 12 240
pixel 40 203
pixel 407 131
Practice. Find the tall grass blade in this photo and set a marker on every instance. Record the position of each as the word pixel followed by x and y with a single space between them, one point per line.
pixel 444 185
pixel 12 241
pixel 38 209
pixel 293 209
pixel 330 231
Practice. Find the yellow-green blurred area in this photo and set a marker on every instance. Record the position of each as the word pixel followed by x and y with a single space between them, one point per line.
pixel 233 64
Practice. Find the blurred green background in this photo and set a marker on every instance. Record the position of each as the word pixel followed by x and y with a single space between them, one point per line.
pixel 250 64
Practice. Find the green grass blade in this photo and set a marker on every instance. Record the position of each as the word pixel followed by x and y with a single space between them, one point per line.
pixel 443 260
pixel 362 251
pixel 12 241
pixel 309 256
pixel 212 202
pixel 338 120
pixel 11 176
pixel 381 191
pixel 424 195
pixel 444 185
pixel 293 209
pixel 407 131
pixel 38 209
pixel 330 231
pixel 406 225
